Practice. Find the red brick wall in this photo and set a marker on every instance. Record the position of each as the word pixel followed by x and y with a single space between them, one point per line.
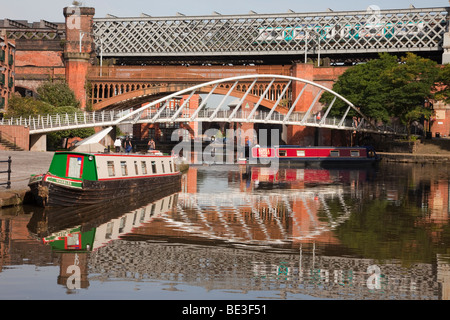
pixel 20 133
pixel 441 123
pixel 76 71
pixel 33 67
pixel 39 58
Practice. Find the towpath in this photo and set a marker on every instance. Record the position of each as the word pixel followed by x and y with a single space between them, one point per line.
pixel 24 164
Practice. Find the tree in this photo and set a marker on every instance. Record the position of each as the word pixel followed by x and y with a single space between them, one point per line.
pixel 57 94
pixel 389 87
pixel 363 86
pixel 443 84
pixel 410 84
pixel 53 98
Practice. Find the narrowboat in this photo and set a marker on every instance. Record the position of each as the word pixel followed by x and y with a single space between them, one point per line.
pixel 325 156
pixel 76 178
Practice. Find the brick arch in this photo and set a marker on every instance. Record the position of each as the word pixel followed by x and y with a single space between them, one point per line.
pixel 155 91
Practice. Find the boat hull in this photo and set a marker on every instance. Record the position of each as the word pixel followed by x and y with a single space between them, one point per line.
pixel 48 191
pixel 314 157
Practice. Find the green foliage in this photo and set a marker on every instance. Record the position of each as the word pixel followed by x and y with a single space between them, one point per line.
pixel 443 85
pixel 26 106
pixel 410 84
pixel 57 94
pixel 54 98
pixel 388 87
pixel 363 86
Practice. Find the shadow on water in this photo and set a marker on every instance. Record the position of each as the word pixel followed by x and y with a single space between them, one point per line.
pixel 345 234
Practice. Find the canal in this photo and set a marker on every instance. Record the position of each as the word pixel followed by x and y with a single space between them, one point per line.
pixel 232 234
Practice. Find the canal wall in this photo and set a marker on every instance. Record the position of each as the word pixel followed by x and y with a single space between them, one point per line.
pixel 414 158
pixel 426 151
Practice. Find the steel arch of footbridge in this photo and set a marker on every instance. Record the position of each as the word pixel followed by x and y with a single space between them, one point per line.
pixel 237 115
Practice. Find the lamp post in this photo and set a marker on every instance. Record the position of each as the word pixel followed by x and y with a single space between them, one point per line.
pixel 82 34
pixel 317 34
pixel 306 46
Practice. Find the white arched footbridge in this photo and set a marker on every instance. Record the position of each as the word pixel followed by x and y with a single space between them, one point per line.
pixel 264 110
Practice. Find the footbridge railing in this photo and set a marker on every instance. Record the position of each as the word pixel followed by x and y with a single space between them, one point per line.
pixel 68 121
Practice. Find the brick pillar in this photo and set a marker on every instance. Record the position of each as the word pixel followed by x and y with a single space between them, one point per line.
pixel 300 135
pixel 79 26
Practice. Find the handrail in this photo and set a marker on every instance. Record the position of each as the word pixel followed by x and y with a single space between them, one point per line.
pixel 67 121
pixel 8 182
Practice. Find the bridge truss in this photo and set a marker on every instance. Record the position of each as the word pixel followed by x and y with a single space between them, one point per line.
pixel 292 34
pixel 263 110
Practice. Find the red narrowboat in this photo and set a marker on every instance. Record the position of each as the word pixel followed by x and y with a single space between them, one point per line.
pixel 316 155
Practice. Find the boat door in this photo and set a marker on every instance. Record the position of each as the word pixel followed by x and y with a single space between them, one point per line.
pixel 74 166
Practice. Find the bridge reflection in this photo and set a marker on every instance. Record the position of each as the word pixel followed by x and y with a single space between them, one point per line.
pixel 265 239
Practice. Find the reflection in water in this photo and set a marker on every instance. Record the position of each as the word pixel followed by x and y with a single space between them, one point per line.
pixel 343 234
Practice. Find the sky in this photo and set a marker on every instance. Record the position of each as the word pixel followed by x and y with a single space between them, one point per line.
pixel 51 10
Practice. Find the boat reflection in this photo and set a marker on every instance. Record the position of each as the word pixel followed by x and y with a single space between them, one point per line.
pixel 281 239
pixel 300 178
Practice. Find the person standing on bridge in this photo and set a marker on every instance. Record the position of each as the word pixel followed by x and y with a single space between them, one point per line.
pixel 128 146
pixel 151 145
pixel 117 144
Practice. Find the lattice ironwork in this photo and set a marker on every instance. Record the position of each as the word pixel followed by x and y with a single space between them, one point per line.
pixel 274 34
pixel 35 34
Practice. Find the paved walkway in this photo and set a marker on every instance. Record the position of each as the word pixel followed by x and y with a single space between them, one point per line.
pixel 24 164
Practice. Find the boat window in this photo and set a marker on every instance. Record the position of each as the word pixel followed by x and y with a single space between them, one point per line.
pixel 152 212
pixel 163 170
pixel 111 171
pixel 153 166
pixel 334 153
pixel 123 166
pixel 122 224
pixel 136 168
pixel 73 241
pixel 109 230
pixel 283 153
pixel 75 166
pixel 144 167
pixel 170 166
pixel 142 217
pixel 354 153
pixel 301 153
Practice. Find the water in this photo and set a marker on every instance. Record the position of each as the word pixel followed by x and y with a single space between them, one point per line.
pixel 366 234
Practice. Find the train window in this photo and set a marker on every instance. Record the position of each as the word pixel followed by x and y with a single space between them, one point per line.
pixel 144 167
pixel 354 153
pixel 123 166
pixel 334 153
pixel 111 171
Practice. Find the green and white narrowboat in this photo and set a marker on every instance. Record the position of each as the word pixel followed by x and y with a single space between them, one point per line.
pixel 76 178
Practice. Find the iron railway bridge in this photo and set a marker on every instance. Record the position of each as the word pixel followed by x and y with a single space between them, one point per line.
pixel 340 36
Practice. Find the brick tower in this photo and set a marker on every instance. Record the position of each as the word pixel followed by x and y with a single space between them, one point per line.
pixel 79 47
